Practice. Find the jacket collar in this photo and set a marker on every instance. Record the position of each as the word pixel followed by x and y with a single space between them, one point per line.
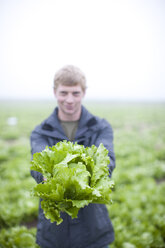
pixel 84 118
pixel 52 126
pixel 53 120
pixel 84 122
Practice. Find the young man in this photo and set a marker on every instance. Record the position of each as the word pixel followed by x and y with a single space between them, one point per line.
pixel 71 121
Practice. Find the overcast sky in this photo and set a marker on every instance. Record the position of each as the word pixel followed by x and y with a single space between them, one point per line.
pixel 118 44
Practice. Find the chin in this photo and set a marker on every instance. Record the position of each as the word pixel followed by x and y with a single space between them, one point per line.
pixel 70 112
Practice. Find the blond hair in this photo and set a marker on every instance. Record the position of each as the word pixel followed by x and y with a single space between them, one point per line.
pixel 70 75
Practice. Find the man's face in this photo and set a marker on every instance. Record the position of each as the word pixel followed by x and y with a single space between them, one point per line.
pixel 69 100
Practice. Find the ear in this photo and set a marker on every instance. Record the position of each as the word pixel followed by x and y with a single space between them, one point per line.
pixel 54 91
pixel 84 92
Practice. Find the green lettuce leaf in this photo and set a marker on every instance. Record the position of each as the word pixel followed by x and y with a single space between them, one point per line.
pixel 76 176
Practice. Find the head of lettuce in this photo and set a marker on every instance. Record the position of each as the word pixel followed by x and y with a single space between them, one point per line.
pixel 76 176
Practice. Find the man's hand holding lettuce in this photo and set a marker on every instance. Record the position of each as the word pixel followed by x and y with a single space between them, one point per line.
pixel 76 176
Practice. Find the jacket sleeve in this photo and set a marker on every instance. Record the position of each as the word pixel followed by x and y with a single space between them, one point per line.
pixel 105 136
pixel 38 143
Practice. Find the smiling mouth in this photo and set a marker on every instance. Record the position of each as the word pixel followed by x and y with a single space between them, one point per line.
pixel 68 107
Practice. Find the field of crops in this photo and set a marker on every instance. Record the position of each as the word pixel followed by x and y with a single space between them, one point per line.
pixel 138 209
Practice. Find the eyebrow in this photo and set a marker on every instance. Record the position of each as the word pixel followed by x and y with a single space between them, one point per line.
pixel 63 91
pixel 76 91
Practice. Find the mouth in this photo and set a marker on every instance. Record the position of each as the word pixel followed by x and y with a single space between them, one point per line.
pixel 69 107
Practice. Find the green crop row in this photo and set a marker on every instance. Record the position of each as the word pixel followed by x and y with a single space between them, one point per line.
pixel 137 212
pixel 18 237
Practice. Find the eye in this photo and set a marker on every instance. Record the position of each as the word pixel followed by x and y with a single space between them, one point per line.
pixel 63 93
pixel 76 93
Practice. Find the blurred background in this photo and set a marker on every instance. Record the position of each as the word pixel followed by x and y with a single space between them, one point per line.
pixel 119 45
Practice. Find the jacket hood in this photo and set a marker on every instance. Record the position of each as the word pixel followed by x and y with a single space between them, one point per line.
pixel 52 127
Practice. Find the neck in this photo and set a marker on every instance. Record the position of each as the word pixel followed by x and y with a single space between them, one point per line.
pixel 69 117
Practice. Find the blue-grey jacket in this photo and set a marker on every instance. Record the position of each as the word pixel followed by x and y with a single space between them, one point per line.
pixel 92 228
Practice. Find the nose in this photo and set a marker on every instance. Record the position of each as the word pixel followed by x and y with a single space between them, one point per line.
pixel 69 98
